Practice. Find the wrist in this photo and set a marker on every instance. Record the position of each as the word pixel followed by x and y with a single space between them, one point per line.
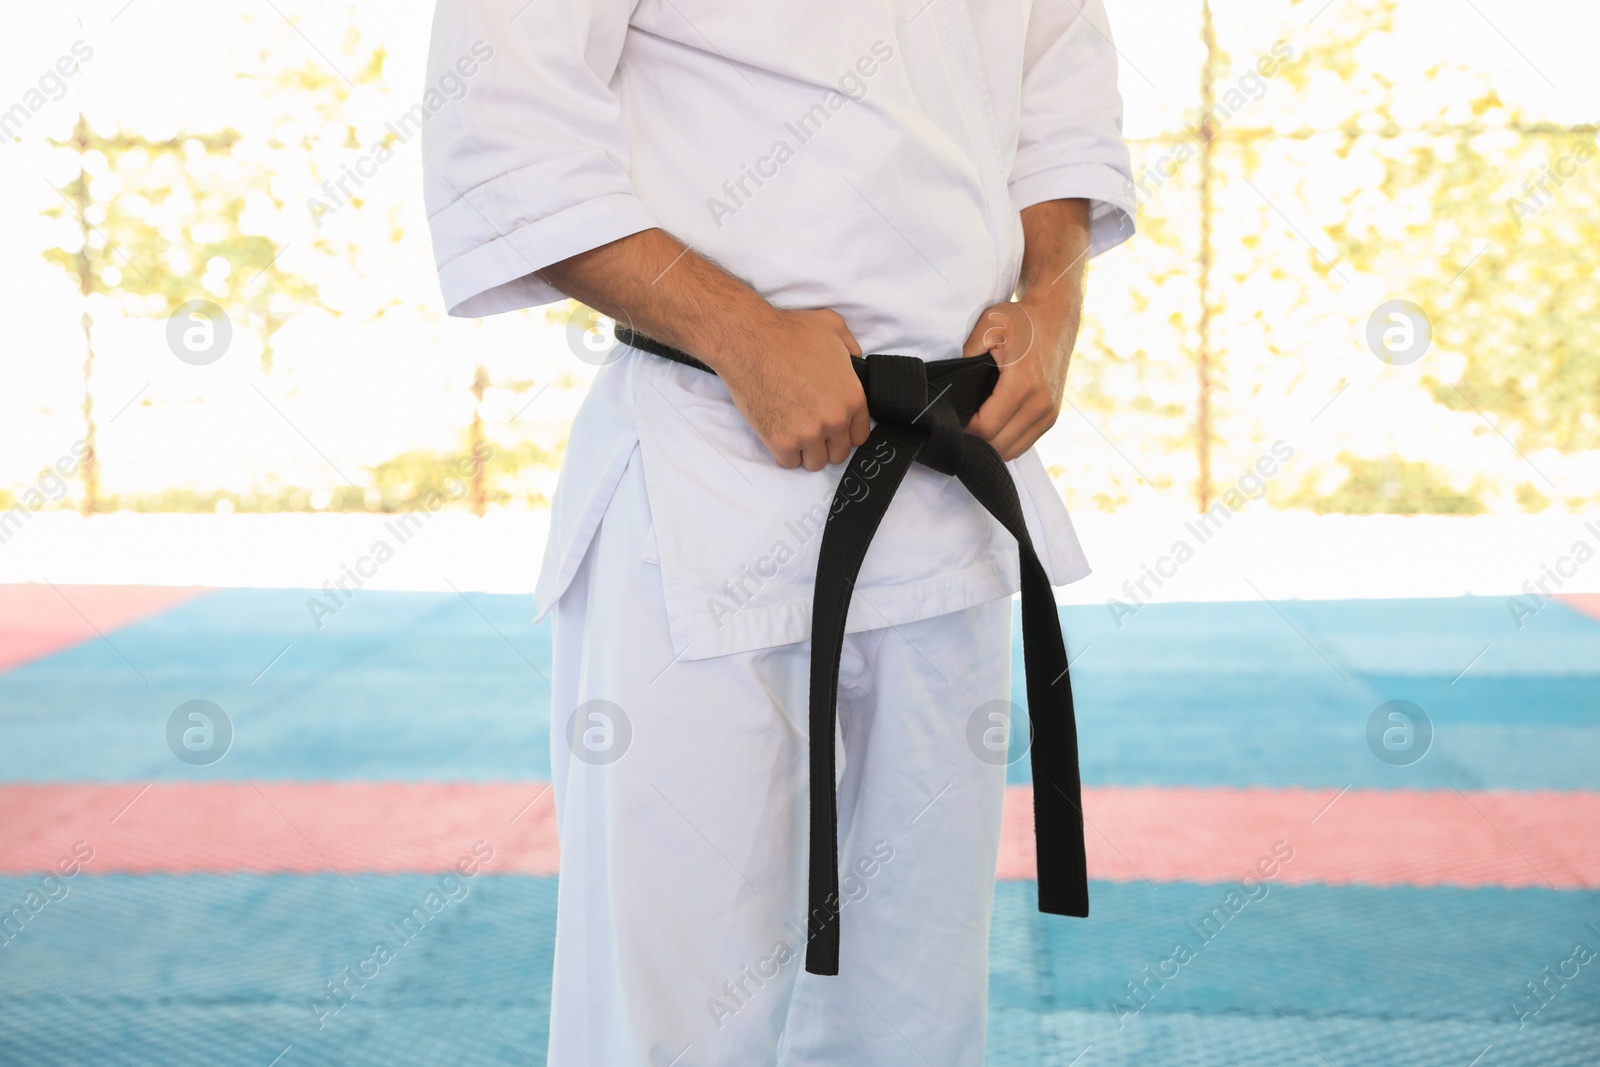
pixel 1055 327
pixel 732 338
pixel 1051 314
pixel 1051 301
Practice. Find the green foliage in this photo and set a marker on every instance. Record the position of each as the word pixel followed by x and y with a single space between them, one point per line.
pixel 1526 313
pixel 398 484
pixel 163 223
pixel 403 481
pixel 1349 169
pixel 1502 259
pixel 1391 486
pixel 1530 499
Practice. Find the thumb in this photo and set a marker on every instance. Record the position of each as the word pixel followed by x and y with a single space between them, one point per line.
pixel 989 332
pixel 841 330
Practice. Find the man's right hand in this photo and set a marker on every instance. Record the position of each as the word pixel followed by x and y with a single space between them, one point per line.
pixel 792 380
pixel 788 371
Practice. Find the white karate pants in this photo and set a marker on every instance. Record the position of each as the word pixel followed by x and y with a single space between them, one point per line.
pixel 681 803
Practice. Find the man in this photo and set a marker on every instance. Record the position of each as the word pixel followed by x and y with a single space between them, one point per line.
pixel 773 189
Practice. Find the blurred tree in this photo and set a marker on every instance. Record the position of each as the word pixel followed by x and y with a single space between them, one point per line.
pixel 1515 221
pixel 1208 132
pixel 1339 157
pixel 1388 485
pixel 1489 220
pixel 405 480
pixel 1318 171
pixel 159 225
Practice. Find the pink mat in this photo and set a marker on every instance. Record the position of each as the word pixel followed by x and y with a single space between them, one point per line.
pixel 261 827
pixel 37 620
pixel 1588 603
pixel 1363 837
pixel 1359 837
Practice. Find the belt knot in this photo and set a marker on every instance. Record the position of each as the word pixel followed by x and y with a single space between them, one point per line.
pixel 898 391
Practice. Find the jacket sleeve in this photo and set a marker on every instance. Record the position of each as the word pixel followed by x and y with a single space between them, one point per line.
pixel 1070 138
pixel 525 151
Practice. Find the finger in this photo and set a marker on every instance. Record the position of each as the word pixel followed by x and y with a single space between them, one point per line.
pixel 860 426
pixel 850 344
pixel 1003 441
pixel 838 448
pixel 997 411
pixel 1021 434
pixel 814 456
pixel 1026 426
pixel 988 333
pixel 1011 443
pixel 787 458
pixel 1031 405
pixel 1016 342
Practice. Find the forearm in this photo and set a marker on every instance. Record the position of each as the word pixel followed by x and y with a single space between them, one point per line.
pixel 655 284
pixel 788 371
pixel 1055 259
pixel 1031 337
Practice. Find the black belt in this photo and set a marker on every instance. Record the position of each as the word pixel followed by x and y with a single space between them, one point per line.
pixel 920 409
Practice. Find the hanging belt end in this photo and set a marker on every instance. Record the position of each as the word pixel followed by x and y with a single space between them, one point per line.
pixel 1072 904
pixel 822 951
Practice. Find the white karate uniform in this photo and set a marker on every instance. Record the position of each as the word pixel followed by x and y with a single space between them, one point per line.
pixel 873 158
pixel 683 826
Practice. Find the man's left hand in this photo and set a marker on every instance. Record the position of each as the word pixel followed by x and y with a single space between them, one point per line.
pixel 1032 342
pixel 1032 337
